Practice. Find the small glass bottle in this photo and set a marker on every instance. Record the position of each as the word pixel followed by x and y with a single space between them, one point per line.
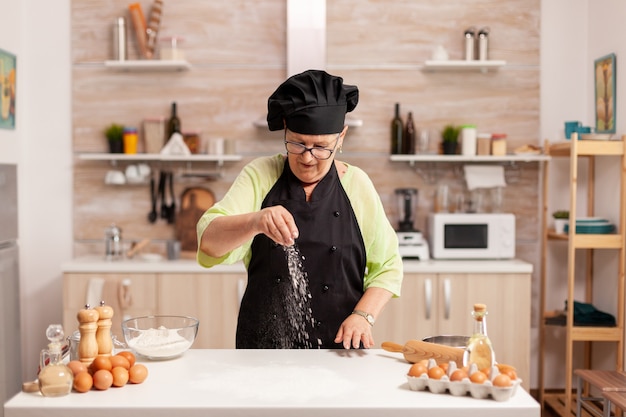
pixel 55 378
pixel 479 349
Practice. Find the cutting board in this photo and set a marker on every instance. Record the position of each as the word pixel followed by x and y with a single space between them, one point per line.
pixel 194 201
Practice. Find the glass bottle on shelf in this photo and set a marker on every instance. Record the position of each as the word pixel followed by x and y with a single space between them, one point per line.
pixel 55 378
pixel 397 132
pixel 173 124
pixel 479 349
pixel 408 143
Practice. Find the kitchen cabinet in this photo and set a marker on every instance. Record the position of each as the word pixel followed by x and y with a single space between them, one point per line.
pixel 212 297
pixel 441 304
pixel 582 249
pixel 130 295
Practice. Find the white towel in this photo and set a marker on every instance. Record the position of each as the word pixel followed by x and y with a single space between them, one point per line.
pixel 94 291
pixel 484 176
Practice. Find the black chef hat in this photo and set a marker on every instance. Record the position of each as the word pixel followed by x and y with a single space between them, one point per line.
pixel 311 103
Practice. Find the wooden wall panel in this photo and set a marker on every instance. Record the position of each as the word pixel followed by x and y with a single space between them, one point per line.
pixel 237 52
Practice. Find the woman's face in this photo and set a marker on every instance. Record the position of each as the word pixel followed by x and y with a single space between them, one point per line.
pixel 306 167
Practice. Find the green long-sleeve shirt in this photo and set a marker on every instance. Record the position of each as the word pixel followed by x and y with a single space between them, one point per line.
pixel 383 264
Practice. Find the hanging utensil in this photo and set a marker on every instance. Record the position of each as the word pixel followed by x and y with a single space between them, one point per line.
pixel 152 216
pixel 164 206
pixel 172 209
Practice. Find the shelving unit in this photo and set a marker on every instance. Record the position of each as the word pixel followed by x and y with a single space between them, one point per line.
pixel 147 157
pixel 463 65
pixel 564 404
pixel 147 65
pixel 412 159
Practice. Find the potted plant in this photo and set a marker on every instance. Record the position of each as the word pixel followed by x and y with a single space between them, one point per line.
pixel 450 139
pixel 115 136
pixel 561 218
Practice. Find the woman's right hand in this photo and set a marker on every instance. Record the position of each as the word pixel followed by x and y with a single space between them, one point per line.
pixel 278 224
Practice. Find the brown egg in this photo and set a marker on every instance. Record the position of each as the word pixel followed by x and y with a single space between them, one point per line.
pixel 101 362
pixel 436 372
pixel 77 367
pixel 478 377
pixel 458 375
pixel 83 381
pixel 102 379
pixel 120 376
pixel 508 370
pixel 502 380
pixel 137 373
pixel 130 356
pixel 424 362
pixel 119 360
pixel 444 366
pixel 418 369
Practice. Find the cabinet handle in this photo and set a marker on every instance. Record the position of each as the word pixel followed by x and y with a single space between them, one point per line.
pixel 428 296
pixel 447 292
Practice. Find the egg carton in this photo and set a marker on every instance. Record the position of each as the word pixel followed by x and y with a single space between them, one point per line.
pixel 465 386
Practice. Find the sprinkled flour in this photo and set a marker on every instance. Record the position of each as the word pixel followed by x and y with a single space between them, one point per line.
pixel 298 304
pixel 159 343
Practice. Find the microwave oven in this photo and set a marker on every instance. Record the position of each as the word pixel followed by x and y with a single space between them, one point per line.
pixel 471 235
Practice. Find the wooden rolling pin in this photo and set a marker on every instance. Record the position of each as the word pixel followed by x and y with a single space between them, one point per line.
pixel 137 247
pixel 417 350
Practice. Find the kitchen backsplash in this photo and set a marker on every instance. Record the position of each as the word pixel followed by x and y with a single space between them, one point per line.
pixel 237 52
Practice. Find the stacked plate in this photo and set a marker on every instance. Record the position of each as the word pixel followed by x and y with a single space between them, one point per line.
pixel 592 225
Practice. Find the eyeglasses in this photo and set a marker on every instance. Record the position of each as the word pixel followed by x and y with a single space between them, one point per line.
pixel 317 152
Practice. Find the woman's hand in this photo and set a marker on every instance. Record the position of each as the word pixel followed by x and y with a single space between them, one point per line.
pixel 278 224
pixel 353 331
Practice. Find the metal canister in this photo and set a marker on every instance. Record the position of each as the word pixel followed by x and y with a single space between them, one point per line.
pixel 470 36
pixel 120 46
pixel 113 242
pixel 483 44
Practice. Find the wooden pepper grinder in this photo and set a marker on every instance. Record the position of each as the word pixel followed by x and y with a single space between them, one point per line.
pixel 103 333
pixel 88 345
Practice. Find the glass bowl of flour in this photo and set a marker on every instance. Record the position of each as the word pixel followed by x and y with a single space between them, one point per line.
pixel 160 337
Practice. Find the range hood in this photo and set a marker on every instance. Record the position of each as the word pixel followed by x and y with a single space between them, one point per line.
pixel 306 42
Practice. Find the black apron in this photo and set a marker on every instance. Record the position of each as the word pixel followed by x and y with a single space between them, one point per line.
pixel 274 312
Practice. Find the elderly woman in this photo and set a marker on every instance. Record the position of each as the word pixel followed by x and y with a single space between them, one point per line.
pixel 321 255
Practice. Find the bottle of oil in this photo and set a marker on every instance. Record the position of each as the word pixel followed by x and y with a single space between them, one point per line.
pixel 479 349
pixel 55 378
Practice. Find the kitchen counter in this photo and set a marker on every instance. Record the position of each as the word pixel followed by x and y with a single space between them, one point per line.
pixel 303 383
pixel 139 265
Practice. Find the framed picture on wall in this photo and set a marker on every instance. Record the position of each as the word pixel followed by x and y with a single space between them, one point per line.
pixel 604 73
pixel 7 90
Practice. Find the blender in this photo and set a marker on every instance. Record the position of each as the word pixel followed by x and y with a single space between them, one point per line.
pixel 412 244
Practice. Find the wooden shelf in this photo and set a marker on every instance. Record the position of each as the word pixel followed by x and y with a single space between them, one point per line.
pixel 147 65
pixel 575 150
pixel 587 148
pixel 462 65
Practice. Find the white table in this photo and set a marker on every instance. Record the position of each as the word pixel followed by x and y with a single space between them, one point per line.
pixel 303 383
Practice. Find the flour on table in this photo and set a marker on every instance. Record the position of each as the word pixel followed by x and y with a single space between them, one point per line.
pixel 159 343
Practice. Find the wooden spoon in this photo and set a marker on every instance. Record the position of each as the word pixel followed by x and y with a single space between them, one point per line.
pixel 417 350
